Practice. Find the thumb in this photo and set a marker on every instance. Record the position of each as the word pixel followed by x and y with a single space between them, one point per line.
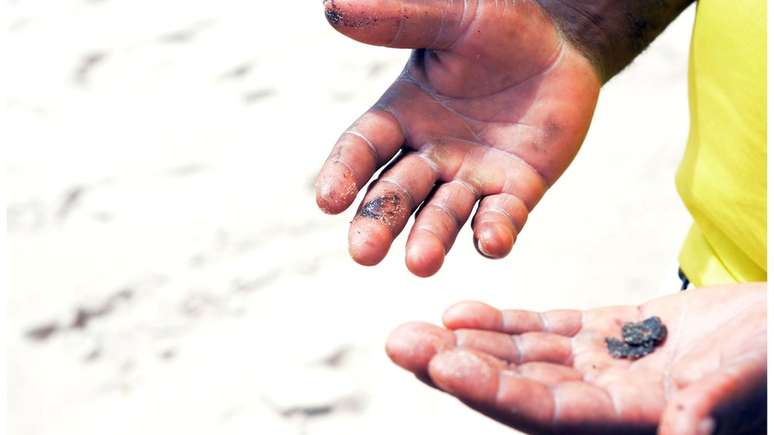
pixel 732 400
pixel 400 23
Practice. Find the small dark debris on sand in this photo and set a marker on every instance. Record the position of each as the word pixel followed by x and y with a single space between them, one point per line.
pixel 42 332
pixel 87 65
pixel 639 339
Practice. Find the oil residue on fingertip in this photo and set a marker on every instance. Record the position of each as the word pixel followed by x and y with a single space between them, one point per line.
pixel 332 13
pixel 336 17
pixel 384 208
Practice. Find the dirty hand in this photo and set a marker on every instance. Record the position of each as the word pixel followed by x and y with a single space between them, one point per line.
pixel 551 372
pixel 491 109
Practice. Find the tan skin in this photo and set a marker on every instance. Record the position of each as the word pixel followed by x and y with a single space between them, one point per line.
pixel 551 373
pixel 491 109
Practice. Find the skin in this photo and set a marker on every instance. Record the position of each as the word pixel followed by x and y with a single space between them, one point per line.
pixel 491 108
pixel 611 32
pixel 551 373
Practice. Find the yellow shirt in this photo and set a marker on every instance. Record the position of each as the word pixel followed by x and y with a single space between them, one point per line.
pixel 722 178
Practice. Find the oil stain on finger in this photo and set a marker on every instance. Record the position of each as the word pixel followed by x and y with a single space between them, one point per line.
pixel 386 208
pixel 336 17
pixel 332 12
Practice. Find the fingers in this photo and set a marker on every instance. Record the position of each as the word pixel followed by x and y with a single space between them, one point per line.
pixel 400 23
pixel 518 349
pixel 369 143
pixel 527 404
pixel 478 315
pixel 485 384
pixel 477 368
pixel 497 223
pixel 539 356
pixel 511 187
pixel 548 373
pixel 413 345
pixel 731 398
pixel 387 207
pixel 436 227
pixel 521 402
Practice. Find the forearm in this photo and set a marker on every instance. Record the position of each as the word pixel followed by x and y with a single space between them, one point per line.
pixel 611 33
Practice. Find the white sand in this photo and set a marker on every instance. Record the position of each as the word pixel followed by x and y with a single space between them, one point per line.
pixel 160 159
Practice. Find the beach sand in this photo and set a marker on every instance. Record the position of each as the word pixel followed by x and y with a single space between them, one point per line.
pixel 169 269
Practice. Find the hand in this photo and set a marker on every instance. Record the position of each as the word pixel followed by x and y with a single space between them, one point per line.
pixel 551 373
pixel 491 108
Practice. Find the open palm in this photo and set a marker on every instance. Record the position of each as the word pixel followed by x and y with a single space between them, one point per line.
pixel 492 106
pixel 551 372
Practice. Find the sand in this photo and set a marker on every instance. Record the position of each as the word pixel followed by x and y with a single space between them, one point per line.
pixel 169 271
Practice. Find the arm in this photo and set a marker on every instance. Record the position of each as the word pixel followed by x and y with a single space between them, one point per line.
pixel 491 108
pixel 611 33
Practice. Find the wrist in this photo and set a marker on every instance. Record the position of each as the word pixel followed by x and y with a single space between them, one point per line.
pixel 611 33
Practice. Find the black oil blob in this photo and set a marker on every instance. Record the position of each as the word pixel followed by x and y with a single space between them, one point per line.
pixel 381 207
pixel 650 329
pixel 333 15
pixel 639 339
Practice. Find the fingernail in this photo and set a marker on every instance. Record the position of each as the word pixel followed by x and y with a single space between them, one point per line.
pixel 480 248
